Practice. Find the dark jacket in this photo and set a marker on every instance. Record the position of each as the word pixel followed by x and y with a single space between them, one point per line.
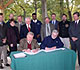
pixel 74 32
pixel 3 30
pixel 24 31
pixel 64 29
pixel 56 24
pixel 13 35
pixel 8 23
pixel 36 29
pixel 49 42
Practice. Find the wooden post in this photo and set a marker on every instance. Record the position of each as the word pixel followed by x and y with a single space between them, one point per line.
pixel 44 10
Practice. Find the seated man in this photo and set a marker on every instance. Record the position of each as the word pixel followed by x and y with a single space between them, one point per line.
pixel 52 41
pixel 28 43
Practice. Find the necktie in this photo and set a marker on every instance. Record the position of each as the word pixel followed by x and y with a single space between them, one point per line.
pixel 53 22
pixel 20 27
pixel 75 24
pixel 28 28
pixel 47 28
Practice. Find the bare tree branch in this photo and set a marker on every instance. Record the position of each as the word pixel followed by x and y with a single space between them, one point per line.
pixel 13 10
pixel 9 2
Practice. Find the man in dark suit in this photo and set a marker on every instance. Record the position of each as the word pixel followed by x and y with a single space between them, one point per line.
pixel 52 41
pixel 54 21
pixel 19 23
pixel 26 28
pixel 74 32
pixel 46 28
pixel 36 24
pixel 3 41
pixel 64 31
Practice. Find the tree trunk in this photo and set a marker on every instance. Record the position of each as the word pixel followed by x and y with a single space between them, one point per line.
pixel 24 15
pixel 35 2
pixel 70 16
pixel 69 12
pixel 44 10
pixel 61 8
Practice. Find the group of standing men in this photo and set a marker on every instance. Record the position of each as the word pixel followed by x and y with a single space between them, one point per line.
pixel 69 32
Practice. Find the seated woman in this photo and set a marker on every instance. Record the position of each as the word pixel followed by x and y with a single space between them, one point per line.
pixel 27 44
pixel 12 36
pixel 52 41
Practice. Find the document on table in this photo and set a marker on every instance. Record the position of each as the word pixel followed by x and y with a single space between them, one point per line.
pixel 19 55
pixel 55 49
pixel 32 53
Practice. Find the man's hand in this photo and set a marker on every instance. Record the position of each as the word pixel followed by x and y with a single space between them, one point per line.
pixel 50 48
pixel 38 35
pixel 35 50
pixel 74 39
pixel 26 50
pixel 4 40
pixel 53 48
pixel 47 48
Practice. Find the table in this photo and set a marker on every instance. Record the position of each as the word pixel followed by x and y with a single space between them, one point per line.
pixel 56 60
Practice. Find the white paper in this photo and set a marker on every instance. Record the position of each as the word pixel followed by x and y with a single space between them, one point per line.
pixel 19 55
pixel 32 53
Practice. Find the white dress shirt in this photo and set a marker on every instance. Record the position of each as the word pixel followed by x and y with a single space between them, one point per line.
pixel 54 22
pixel 27 25
pixel 77 21
pixel 35 21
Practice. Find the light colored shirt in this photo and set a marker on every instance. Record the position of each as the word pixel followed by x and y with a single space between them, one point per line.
pixel 20 23
pixel 35 21
pixel 29 42
pixel 77 21
pixel 27 25
pixel 0 22
pixel 54 22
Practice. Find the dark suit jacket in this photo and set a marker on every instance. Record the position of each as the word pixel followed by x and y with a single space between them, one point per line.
pixel 43 30
pixel 18 25
pixel 56 24
pixel 64 29
pixel 13 35
pixel 24 31
pixel 49 42
pixel 23 44
pixel 36 29
pixel 3 30
pixel 74 32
